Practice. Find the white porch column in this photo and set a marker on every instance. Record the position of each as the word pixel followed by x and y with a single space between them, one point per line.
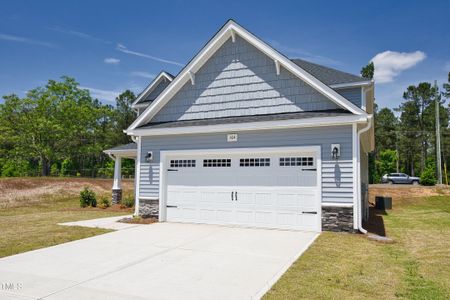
pixel 117 185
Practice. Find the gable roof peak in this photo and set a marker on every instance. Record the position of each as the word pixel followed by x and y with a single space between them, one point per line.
pixel 229 30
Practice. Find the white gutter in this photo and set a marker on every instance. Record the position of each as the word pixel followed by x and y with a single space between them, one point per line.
pixel 358 177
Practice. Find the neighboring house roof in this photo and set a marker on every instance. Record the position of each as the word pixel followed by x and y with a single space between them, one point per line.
pixel 328 75
pixel 152 91
pixel 230 30
pixel 246 119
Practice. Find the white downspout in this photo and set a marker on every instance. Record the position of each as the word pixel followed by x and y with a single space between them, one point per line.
pixel 358 177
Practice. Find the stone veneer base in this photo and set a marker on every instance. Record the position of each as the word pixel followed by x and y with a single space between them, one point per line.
pixel 149 208
pixel 337 218
pixel 116 196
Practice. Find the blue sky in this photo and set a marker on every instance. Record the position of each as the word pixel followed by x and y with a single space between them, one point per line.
pixel 110 46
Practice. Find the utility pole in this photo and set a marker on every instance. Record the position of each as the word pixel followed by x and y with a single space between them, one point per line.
pixel 438 137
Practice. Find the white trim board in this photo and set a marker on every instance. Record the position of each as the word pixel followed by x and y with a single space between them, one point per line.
pixel 251 126
pixel 351 84
pixel 212 46
pixel 161 76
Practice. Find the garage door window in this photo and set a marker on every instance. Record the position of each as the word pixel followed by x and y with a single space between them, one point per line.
pixel 217 163
pixel 182 163
pixel 296 161
pixel 254 162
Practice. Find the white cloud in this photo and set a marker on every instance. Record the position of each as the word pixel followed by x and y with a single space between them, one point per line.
pixel 111 61
pixel 389 64
pixel 123 49
pixel 79 34
pixel 104 95
pixel 18 39
pixel 142 74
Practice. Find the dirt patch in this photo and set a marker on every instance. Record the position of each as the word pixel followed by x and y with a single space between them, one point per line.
pixel 402 193
pixel 25 191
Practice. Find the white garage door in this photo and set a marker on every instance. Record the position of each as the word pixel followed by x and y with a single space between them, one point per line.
pixel 272 190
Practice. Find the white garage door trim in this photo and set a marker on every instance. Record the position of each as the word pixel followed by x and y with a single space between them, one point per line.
pixel 167 154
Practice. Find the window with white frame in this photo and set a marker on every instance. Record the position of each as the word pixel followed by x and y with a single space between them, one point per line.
pixel 182 163
pixel 303 161
pixel 254 162
pixel 217 162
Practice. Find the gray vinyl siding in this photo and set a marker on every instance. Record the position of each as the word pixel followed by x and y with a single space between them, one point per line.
pixel 351 94
pixel 337 176
pixel 240 80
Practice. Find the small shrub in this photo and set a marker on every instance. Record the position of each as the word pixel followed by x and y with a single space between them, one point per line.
pixel 428 177
pixel 104 202
pixel 87 198
pixel 54 170
pixel 128 201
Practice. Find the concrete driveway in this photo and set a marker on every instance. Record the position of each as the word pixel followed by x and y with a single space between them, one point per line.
pixel 158 261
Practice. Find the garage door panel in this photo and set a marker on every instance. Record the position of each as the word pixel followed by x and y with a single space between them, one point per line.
pixel 245 217
pixel 287 219
pixel 265 218
pixel 287 201
pixel 224 216
pixel 262 192
pixel 264 200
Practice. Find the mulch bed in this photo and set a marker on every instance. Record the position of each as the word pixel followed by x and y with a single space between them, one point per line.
pixel 138 220
pixel 113 208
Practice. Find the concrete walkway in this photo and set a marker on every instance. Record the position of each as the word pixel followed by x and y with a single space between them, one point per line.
pixel 106 223
pixel 158 261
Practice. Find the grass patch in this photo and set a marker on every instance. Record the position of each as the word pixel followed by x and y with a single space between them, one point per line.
pixel 348 266
pixel 34 224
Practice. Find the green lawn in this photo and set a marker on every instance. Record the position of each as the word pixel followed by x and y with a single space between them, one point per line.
pixel 349 266
pixel 34 226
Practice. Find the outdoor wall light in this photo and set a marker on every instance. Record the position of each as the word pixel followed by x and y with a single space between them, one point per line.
pixel 335 151
pixel 149 156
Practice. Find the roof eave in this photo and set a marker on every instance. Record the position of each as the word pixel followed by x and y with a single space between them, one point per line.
pixel 251 126
pixel 351 84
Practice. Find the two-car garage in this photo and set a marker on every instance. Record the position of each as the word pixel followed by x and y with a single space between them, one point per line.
pixel 255 187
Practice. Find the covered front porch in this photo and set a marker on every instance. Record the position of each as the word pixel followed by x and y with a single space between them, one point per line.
pixel 117 154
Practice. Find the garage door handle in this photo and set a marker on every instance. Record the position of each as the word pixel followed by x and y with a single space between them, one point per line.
pixel 309 169
pixel 172 170
pixel 173 206
pixel 310 212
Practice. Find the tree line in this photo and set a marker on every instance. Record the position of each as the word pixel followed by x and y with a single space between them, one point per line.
pixel 405 137
pixel 60 129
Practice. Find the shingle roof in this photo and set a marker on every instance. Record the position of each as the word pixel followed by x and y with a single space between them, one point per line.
pixel 245 119
pixel 130 146
pixel 156 90
pixel 327 75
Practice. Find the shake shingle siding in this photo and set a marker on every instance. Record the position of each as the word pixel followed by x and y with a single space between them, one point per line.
pixel 337 175
pixel 240 80
pixel 351 94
